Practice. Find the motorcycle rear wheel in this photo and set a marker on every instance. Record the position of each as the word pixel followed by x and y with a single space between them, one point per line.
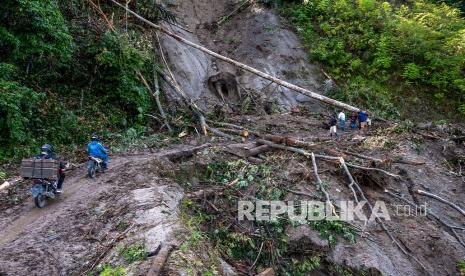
pixel 91 171
pixel 40 201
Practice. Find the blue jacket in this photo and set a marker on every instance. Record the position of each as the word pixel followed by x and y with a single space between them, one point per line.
pixel 95 149
pixel 362 116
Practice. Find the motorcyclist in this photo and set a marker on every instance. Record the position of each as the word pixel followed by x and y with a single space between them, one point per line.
pixel 46 152
pixel 95 149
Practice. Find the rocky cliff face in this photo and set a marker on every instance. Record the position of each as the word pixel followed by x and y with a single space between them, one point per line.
pixel 255 36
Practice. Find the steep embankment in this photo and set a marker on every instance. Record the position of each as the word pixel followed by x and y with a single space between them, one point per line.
pixel 139 201
pixel 256 36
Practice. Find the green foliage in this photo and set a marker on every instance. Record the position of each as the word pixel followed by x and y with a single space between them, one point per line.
pixel 109 270
pixel 307 265
pixel 405 126
pixel 331 229
pixel 153 11
pixel 461 267
pixel 226 172
pixel 34 32
pixel 62 79
pixel 2 176
pixel 133 253
pixel 118 61
pixel 17 108
pixel 379 53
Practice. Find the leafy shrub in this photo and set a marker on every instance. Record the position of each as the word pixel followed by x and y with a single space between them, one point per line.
pixel 62 79
pixel 379 53
pixel 133 253
pixel 108 270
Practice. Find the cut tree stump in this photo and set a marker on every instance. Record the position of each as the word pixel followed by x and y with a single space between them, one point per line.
pixel 159 260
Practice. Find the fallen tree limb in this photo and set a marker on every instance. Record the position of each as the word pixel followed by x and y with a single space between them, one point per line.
pixel 377 219
pixel 320 186
pixel 174 154
pixel 234 12
pixel 159 260
pixel 177 88
pixel 9 183
pixel 156 96
pixel 375 169
pixel 296 88
pixel 453 205
pixel 109 247
pixel 351 179
pixel 409 162
pixel 222 134
pixel 363 156
pixel 326 157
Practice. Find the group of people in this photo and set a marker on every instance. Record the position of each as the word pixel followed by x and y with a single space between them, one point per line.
pixel 358 120
pixel 94 149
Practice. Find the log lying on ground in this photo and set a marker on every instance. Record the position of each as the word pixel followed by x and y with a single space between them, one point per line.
pixel 363 156
pixel 10 183
pixel 319 184
pixel 245 151
pixel 183 152
pixel 159 260
pixel 325 157
pixel 438 198
pixel 296 88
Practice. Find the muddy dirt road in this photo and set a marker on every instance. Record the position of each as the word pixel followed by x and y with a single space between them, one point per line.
pixel 72 232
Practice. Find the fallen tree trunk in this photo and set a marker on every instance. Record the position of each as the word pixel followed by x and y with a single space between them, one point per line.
pixel 183 152
pixel 326 157
pixel 291 86
pixel 9 183
pixel 438 198
pixel 159 260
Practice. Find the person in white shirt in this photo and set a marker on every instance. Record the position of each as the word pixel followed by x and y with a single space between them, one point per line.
pixel 342 120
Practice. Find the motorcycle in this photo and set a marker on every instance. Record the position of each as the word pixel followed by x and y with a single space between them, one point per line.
pixel 42 191
pixel 94 165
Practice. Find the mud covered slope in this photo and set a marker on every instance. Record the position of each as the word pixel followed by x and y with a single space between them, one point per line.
pixel 142 201
pixel 256 36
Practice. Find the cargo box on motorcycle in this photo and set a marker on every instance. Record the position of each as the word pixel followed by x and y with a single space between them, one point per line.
pixel 40 168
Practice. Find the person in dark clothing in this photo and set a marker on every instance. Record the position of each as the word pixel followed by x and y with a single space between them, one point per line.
pixel 46 152
pixel 333 127
pixel 353 120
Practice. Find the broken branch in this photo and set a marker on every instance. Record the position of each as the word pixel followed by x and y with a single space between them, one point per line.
pixel 453 205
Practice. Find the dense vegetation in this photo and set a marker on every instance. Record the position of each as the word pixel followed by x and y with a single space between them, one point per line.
pixel 387 56
pixel 64 74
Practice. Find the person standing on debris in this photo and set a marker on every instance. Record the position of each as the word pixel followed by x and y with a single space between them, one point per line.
pixel 332 127
pixel 362 119
pixel 46 152
pixel 353 120
pixel 342 120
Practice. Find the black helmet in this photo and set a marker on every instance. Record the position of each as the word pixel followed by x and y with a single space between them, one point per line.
pixel 95 137
pixel 46 149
